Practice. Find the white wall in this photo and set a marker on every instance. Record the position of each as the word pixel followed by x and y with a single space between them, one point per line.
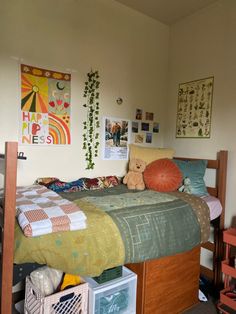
pixel 204 45
pixel 129 49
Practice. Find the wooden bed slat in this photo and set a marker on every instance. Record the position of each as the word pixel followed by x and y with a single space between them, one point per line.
pixel 212 191
pixel 9 209
pixel 206 272
pixel 209 246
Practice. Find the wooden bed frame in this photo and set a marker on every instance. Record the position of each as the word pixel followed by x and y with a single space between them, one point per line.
pixel 170 284
pixel 219 191
pixel 165 285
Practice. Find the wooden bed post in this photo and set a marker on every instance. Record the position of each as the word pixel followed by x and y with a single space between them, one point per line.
pixel 219 191
pixel 8 226
pixel 221 182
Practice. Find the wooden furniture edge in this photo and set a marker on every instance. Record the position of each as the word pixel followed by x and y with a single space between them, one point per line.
pixel 169 284
pixel 9 209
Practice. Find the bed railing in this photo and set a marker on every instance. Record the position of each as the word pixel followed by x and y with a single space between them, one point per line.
pixel 7 215
pixel 219 191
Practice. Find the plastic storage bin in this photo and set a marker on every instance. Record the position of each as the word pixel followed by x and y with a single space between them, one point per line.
pixel 109 274
pixel 114 296
pixel 70 301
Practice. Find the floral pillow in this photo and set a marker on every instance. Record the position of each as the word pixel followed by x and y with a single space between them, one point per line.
pixel 81 184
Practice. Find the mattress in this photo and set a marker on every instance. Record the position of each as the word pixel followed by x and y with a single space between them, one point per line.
pixel 214 205
pixel 123 226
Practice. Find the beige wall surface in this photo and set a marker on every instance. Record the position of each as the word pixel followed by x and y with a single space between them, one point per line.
pixel 131 53
pixel 204 45
pixel 129 49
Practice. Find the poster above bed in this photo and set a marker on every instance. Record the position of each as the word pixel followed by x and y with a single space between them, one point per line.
pixel 194 109
pixel 115 139
pixel 45 107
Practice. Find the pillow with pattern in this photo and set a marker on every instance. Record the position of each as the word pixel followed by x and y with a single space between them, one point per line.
pixel 162 175
pixel 79 185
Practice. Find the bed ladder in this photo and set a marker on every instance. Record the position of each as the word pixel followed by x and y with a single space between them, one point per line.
pixel 7 222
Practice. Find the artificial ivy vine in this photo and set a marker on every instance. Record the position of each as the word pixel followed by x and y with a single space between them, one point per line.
pixel 91 125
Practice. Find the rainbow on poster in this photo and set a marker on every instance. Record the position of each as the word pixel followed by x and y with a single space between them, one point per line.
pixel 45 107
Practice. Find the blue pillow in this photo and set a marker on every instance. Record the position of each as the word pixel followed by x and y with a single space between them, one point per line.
pixel 195 171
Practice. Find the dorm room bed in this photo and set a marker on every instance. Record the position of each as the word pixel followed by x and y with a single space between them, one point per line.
pixel 159 280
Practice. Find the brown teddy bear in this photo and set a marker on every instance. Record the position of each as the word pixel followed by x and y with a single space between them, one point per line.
pixel 134 177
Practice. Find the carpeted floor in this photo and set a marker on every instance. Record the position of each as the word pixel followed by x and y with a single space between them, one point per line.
pixel 208 308
pixel 203 308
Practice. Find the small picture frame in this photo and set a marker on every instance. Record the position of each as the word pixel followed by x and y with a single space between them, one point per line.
pixel 156 127
pixel 148 138
pixel 145 126
pixel 135 126
pixel 149 116
pixel 138 138
pixel 139 114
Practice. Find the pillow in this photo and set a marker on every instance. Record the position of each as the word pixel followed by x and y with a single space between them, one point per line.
pixel 162 175
pixel 149 154
pixel 79 185
pixel 61 186
pixel 195 171
pixel 101 182
pixel 45 180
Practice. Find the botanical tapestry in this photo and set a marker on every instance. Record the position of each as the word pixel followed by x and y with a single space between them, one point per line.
pixel 194 108
pixel 45 107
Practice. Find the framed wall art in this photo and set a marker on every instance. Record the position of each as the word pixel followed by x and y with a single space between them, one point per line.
pixel 194 109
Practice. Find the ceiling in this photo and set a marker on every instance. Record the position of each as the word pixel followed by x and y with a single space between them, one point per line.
pixel 167 11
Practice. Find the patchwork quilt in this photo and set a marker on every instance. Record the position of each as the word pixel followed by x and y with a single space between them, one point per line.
pixel 41 211
pixel 123 226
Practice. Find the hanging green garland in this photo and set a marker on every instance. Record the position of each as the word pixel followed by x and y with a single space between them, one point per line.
pixel 91 125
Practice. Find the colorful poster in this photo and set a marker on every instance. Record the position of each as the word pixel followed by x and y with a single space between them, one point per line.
pixel 45 107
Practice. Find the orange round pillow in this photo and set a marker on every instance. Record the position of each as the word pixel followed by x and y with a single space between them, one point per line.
pixel 162 175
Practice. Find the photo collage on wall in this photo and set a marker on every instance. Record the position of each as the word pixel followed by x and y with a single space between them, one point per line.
pixel 194 109
pixel 144 127
pixel 45 107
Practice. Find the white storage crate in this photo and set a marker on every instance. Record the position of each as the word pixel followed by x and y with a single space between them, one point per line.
pixel 114 296
pixel 70 301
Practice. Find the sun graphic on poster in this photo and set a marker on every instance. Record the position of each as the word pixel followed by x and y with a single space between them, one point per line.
pixel 34 93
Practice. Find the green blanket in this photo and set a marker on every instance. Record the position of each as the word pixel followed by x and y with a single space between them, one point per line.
pixel 123 226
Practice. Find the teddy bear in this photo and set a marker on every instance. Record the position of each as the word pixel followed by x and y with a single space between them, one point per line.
pixel 134 177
